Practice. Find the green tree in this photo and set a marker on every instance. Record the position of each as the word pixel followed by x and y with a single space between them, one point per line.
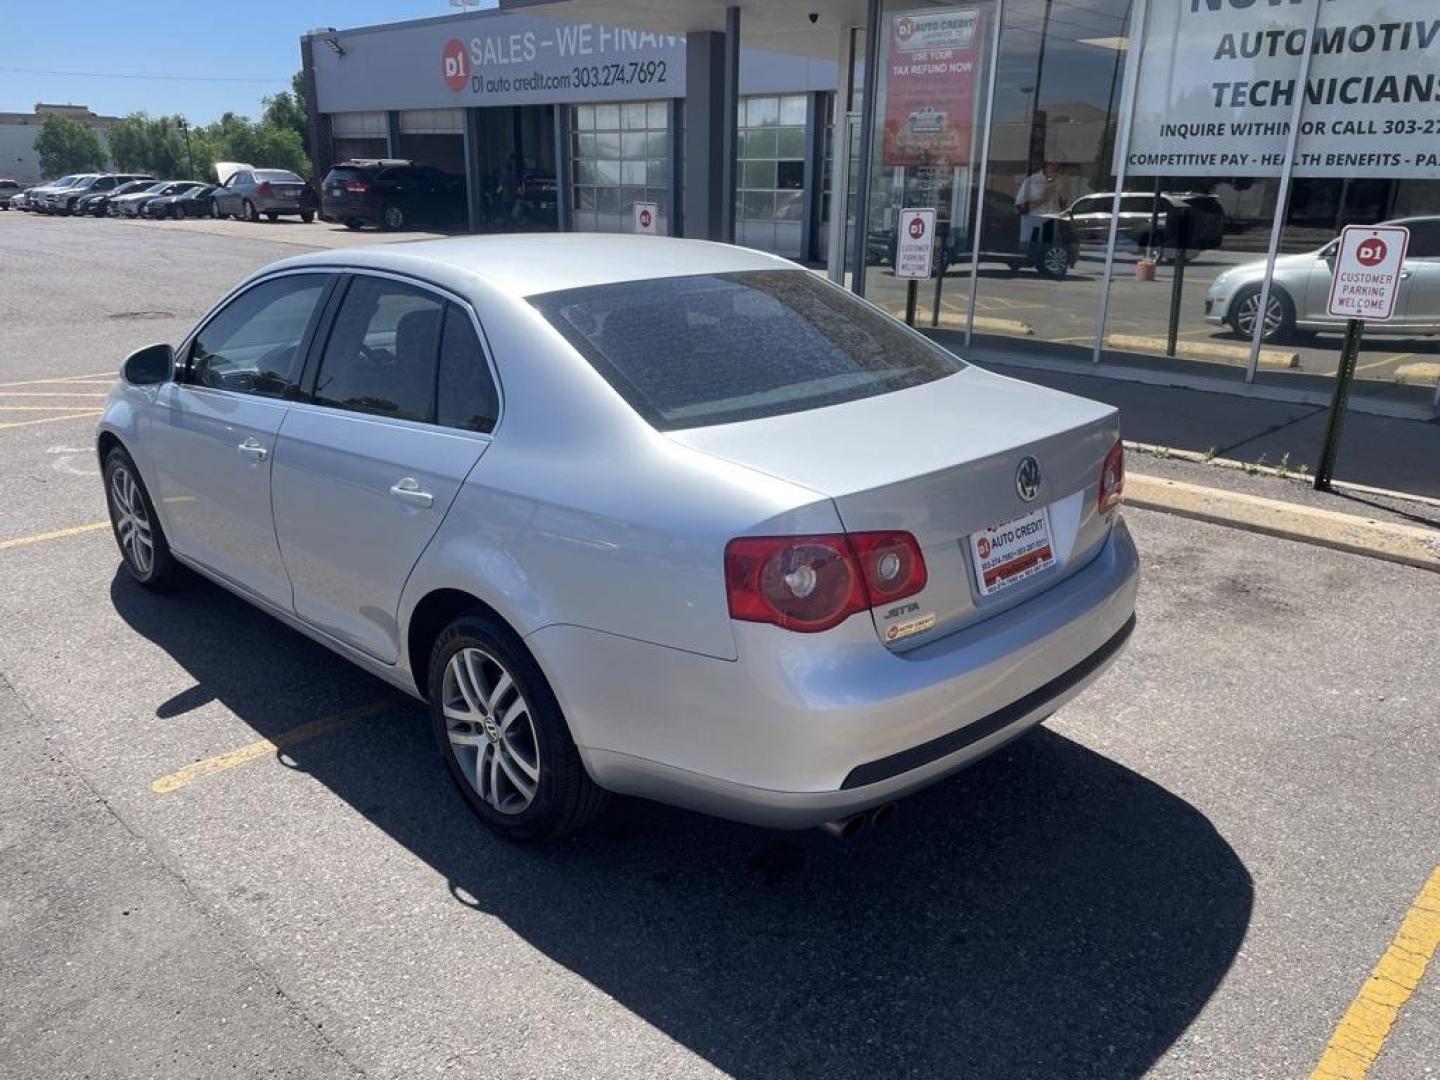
pixel 264 144
pixel 287 108
pixel 64 145
pixel 153 144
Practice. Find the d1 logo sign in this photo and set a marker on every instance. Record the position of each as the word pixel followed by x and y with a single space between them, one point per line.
pixel 904 28
pixel 1371 252
pixel 646 219
pixel 917 228
pixel 453 64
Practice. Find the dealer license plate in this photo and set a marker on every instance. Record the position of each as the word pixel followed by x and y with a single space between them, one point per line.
pixel 1006 554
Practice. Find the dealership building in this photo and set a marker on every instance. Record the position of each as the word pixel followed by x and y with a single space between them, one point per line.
pixel 1141 187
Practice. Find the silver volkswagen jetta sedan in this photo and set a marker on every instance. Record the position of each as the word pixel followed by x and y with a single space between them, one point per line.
pixel 660 517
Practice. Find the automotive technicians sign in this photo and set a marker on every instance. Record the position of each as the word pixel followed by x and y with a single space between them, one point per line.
pixel 1368 268
pixel 916 243
pixel 1219 79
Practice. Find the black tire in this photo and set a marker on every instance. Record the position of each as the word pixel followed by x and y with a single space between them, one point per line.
pixel 1281 305
pixel 163 573
pixel 271 215
pixel 247 212
pixel 1015 266
pixel 392 217
pixel 354 223
pixel 1053 262
pixel 307 216
pixel 215 209
pixel 565 797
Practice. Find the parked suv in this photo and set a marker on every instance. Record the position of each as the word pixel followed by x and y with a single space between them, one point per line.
pixel 391 193
pixel 246 192
pixel 1146 220
pixel 40 197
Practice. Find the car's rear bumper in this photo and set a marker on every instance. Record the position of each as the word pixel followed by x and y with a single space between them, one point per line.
pixel 798 731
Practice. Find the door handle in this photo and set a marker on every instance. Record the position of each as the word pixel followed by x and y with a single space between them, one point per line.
pixel 408 491
pixel 252 449
pixel 1406 274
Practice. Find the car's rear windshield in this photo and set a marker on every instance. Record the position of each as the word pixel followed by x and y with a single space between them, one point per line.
pixel 720 348
pixel 347 172
pixel 278 176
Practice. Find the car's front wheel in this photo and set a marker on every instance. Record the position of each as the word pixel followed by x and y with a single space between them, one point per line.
pixel 392 217
pixel 503 736
pixel 1279 321
pixel 247 211
pixel 1054 262
pixel 137 530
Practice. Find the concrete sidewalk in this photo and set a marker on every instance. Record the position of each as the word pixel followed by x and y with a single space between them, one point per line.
pixel 1382 452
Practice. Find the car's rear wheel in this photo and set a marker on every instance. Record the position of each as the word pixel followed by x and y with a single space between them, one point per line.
pixel 392 217
pixel 271 215
pixel 354 223
pixel 307 216
pixel 503 736
pixel 137 530
pixel 1279 322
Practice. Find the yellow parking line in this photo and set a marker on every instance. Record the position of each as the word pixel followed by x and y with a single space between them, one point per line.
pixel 1361 1033
pixel 1381 363
pixel 53 419
pixel 111 375
pixel 58 534
pixel 265 747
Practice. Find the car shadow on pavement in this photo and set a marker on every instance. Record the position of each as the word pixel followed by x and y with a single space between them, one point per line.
pixel 1047 913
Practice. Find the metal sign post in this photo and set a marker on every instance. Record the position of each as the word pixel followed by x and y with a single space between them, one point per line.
pixel 1368 268
pixel 914 253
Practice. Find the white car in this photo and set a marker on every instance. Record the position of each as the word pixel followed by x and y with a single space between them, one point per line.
pixel 633 514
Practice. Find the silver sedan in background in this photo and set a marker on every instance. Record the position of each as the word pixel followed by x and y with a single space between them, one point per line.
pixel 1301 290
pixel 248 193
pixel 633 514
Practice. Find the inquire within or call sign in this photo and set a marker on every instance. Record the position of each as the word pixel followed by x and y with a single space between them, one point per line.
pixel 1369 265
pixel 915 246
pixel 1219 80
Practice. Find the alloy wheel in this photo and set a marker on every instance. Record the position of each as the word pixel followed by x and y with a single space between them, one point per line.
pixel 1057 261
pixel 490 729
pixel 132 524
pixel 1245 316
pixel 394 217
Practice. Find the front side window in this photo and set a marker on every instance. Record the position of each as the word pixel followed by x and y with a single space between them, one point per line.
pixel 720 348
pixel 382 352
pixel 253 344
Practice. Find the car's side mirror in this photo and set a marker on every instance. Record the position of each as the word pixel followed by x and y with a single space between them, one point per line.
pixel 148 366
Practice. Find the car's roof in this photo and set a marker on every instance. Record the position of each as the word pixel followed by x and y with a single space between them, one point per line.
pixel 526 264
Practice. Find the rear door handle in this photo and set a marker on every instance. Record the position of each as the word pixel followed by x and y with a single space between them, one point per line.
pixel 408 491
pixel 252 449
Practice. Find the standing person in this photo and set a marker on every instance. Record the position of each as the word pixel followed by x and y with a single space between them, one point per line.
pixel 1038 195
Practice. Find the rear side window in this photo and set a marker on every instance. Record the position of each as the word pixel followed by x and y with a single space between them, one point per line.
pixel 278 176
pixel 382 352
pixel 720 348
pixel 253 344
pixel 466 396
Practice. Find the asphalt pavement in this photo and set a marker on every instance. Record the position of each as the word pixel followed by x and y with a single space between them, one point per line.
pixel 1189 871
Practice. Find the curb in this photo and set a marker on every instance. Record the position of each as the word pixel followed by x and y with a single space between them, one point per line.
pixel 1202 350
pixel 1294 475
pixel 1408 545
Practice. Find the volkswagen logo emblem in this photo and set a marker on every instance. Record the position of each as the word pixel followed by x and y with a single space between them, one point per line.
pixel 1027 479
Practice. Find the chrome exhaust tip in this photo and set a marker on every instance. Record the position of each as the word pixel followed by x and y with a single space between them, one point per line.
pixel 846 828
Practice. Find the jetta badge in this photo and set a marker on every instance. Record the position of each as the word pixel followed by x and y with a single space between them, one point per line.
pixel 1027 479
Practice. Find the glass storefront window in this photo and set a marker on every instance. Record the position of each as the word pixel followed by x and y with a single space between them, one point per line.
pixel 769 201
pixel 621 157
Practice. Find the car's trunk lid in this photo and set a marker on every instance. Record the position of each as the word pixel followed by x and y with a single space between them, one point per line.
pixel 940 461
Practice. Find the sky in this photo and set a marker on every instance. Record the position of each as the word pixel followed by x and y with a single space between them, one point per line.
pixel 214 56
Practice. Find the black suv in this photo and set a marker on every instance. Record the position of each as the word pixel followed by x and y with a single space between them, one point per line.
pixel 391 193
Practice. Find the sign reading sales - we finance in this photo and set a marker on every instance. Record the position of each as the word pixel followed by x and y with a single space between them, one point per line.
pixel 1218 82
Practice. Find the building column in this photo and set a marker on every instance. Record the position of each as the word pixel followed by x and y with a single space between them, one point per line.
pixel 730 124
pixel 861 183
pixel 564 170
pixel 392 134
pixel 317 124
pixel 473 206
pixel 704 148
pixel 675 128
pixel 814 193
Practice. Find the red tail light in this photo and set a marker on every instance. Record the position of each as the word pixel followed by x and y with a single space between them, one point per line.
pixel 264 190
pixel 813 583
pixel 356 187
pixel 1112 478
